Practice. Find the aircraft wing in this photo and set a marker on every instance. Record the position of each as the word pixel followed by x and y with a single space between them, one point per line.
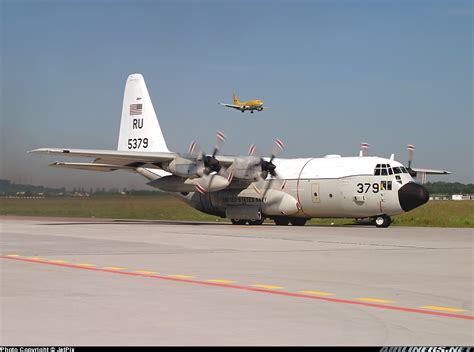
pixel 231 106
pixel 123 158
pixel 109 160
pixel 431 172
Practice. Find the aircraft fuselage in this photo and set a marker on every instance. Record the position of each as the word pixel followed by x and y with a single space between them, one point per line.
pixel 357 187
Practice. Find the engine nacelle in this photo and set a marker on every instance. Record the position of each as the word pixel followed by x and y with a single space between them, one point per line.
pixel 210 183
pixel 247 168
pixel 172 183
pixel 183 167
pixel 279 203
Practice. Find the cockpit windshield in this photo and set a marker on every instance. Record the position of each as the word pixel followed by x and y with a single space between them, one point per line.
pixel 383 169
pixel 396 170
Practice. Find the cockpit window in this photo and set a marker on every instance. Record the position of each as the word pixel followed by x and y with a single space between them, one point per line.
pixel 397 170
pixel 403 170
pixel 383 169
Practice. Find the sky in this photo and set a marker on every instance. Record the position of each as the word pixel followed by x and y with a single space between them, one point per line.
pixel 333 74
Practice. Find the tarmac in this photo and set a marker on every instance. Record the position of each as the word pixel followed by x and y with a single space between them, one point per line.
pixel 113 282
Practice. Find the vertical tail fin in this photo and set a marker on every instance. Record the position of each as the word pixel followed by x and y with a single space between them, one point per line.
pixel 236 100
pixel 139 126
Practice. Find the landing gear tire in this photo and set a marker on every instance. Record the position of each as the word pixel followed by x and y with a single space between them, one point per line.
pixel 256 222
pixel 281 221
pixel 383 221
pixel 238 222
pixel 298 221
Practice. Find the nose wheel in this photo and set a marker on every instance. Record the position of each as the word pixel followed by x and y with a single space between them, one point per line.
pixel 383 221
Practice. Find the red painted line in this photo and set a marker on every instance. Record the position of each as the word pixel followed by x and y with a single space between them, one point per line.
pixel 246 288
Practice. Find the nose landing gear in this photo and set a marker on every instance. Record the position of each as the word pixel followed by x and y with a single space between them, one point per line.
pixel 383 221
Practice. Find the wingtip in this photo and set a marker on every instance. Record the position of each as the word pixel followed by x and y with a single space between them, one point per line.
pixel 33 151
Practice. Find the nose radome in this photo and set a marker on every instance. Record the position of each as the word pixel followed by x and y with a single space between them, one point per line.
pixel 412 195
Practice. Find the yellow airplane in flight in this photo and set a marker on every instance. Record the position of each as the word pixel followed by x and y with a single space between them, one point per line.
pixel 250 105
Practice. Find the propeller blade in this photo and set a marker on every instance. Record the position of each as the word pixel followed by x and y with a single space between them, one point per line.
pixel 279 146
pixel 365 148
pixel 272 180
pixel 193 148
pixel 410 149
pixel 220 139
pixel 253 150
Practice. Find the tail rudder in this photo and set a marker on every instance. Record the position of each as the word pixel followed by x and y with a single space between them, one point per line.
pixel 236 100
pixel 139 126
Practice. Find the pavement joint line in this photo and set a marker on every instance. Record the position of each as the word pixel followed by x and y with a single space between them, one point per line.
pixel 255 289
pixel 376 300
pixel 268 287
pixel 447 309
pixel 318 293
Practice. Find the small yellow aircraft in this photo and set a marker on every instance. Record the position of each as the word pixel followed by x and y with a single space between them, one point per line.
pixel 250 105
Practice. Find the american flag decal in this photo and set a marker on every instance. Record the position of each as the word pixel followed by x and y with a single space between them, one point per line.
pixel 136 109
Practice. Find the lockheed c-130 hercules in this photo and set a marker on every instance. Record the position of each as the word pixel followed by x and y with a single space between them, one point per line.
pixel 248 189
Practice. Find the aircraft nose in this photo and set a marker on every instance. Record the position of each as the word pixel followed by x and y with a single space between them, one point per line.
pixel 412 195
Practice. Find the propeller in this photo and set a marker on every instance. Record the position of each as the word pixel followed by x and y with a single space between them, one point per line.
pixel 208 163
pixel 411 150
pixel 209 168
pixel 267 168
pixel 365 149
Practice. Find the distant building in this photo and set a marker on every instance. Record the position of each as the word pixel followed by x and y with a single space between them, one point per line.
pixel 462 197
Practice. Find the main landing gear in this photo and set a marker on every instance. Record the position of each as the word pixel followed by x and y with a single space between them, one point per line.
pixel 284 221
pixel 243 222
pixel 383 221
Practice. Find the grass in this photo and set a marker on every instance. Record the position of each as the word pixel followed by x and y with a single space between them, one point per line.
pixel 165 207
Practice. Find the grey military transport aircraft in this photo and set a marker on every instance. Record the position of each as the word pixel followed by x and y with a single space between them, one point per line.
pixel 247 189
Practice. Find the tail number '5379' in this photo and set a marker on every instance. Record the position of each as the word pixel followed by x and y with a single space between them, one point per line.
pixel 135 143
